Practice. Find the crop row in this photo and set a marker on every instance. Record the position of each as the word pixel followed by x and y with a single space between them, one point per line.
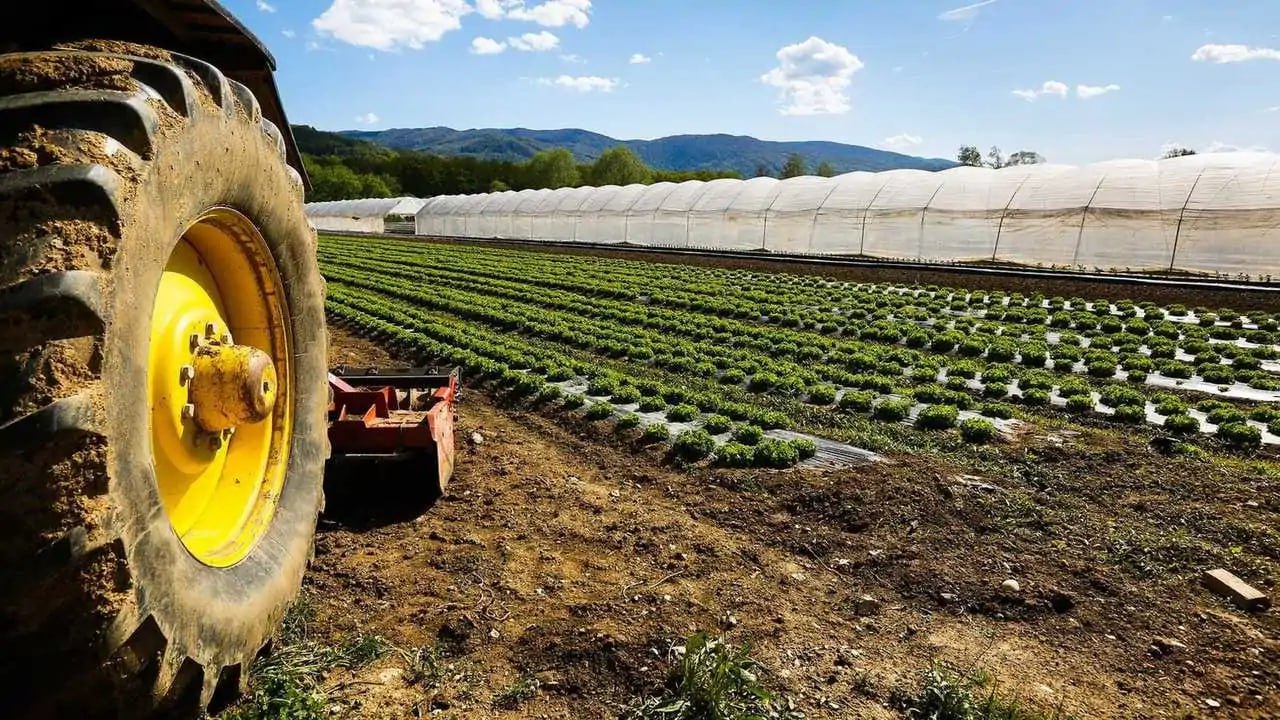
pixel 550 304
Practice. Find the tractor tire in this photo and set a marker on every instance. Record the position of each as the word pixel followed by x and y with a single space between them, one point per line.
pixel 111 156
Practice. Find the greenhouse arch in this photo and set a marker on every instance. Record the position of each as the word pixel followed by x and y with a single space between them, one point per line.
pixel 1211 213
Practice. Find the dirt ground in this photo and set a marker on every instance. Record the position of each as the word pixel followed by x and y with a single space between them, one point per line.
pixel 562 564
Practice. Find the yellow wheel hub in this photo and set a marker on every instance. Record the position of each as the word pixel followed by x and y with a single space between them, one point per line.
pixel 219 385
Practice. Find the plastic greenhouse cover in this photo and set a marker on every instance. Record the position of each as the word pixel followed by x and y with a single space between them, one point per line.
pixel 369 207
pixel 1217 213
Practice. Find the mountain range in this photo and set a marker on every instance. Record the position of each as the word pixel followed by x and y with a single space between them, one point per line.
pixel 747 155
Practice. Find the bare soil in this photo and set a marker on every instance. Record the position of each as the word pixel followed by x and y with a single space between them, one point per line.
pixel 562 555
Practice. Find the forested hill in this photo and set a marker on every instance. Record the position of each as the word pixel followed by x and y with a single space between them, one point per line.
pixel 746 155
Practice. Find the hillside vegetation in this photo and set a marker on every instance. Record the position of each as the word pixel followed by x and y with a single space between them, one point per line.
pixel 343 168
pixel 746 155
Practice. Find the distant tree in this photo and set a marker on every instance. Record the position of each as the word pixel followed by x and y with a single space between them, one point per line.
pixel 1025 157
pixel 498 186
pixel 332 181
pixel 619 166
pixel 994 158
pixel 552 169
pixel 969 155
pixel 826 169
pixel 794 166
pixel 762 170
pixel 377 186
pixel 678 176
pixel 1174 152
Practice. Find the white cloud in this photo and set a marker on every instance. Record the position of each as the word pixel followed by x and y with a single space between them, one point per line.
pixel 391 24
pixel 289 34
pixel 367 119
pixel 964 14
pixel 552 13
pixel 312 45
pixel 266 7
pixel 582 83
pixel 1167 18
pixel 534 42
pixel 1217 146
pixel 813 76
pixel 903 141
pixel 1273 108
pixel 1084 92
pixel 487 46
pixel 639 59
pixel 1048 87
pixel 572 58
pixel 1233 53
pixel 492 9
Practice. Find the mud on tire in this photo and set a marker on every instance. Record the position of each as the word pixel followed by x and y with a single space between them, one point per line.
pixel 105 159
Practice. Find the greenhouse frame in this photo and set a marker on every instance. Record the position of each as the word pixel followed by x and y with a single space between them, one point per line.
pixel 1211 213
pixel 373 215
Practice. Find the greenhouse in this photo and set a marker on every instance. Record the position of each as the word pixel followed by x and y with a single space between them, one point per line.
pixel 1210 213
pixel 368 215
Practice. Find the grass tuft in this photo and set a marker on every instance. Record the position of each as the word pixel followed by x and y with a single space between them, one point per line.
pixel 286 684
pixel 946 694
pixel 712 679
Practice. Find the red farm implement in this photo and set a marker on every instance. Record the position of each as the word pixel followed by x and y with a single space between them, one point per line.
pixel 390 436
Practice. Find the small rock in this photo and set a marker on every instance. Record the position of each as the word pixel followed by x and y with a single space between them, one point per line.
pixel 1161 646
pixel 547 678
pixel 1011 585
pixel 477 438
pixel 847 657
pixel 867 605
pixel 731 621
pixel 1210 702
pixel 949 597
pixel 495 634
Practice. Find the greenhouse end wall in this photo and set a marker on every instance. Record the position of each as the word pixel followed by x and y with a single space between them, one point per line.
pixel 1216 214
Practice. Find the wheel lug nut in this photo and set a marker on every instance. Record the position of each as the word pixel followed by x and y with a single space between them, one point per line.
pixel 185 373
pixel 188 411
pixel 194 341
pixel 226 338
pixel 210 329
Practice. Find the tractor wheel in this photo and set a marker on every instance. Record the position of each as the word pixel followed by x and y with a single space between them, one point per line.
pixel 162 382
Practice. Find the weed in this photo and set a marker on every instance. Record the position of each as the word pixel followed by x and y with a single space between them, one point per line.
pixel 423 665
pixel 711 679
pixel 286 684
pixel 946 694
pixel 516 694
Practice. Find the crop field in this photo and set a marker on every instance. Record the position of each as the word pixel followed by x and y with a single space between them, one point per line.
pixel 766 369
pixel 891 496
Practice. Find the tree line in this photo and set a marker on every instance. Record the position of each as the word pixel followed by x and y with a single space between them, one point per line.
pixel 970 155
pixel 360 170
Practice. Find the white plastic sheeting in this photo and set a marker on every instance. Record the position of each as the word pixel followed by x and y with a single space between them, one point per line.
pixel 1214 213
pixel 367 215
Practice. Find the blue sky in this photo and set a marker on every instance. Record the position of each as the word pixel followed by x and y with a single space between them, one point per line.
pixel 1079 80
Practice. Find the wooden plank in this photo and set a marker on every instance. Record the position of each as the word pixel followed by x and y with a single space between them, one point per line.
pixel 1244 595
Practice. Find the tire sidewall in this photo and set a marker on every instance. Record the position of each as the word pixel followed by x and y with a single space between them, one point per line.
pixel 215 616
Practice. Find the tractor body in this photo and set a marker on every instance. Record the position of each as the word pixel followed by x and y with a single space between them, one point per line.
pixel 200 28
